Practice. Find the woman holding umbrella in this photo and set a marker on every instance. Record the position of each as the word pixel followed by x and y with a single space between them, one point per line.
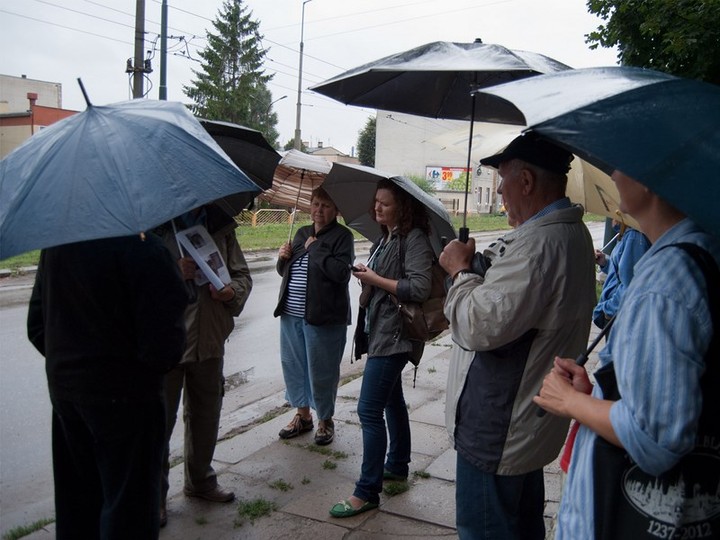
pixel 314 310
pixel 400 264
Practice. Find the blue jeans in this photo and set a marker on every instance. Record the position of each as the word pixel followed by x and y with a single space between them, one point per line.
pixel 494 507
pixel 382 392
pixel 310 357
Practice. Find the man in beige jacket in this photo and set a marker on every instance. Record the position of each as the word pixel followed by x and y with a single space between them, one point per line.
pixel 209 321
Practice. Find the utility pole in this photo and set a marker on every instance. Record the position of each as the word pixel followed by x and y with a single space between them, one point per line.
pixel 139 72
pixel 163 50
pixel 298 138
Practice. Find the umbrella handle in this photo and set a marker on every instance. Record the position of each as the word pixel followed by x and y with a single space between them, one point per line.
pixel 464 234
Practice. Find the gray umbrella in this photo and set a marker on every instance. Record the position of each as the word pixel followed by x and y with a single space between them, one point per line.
pixel 352 189
pixel 440 80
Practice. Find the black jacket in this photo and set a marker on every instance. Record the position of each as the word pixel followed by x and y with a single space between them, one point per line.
pixel 329 260
pixel 108 317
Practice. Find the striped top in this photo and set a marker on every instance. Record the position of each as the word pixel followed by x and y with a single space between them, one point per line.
pixel 297 288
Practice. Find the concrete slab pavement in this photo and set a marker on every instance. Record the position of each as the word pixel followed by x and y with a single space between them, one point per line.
pixel 302 481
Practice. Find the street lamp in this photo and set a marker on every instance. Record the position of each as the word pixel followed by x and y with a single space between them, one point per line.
pixel 298 139
pixel 269 107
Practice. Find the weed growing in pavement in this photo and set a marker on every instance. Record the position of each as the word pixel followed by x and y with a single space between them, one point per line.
pixel 432 370
pixel 395 488
pixel 325 451
pixel 24 530
pixel 281 485
pixel 305 481
pixel 349 378
pixel 252 510
pixel 329 465
pixel 421 474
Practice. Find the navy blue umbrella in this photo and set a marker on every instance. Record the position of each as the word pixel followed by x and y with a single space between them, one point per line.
pixel 110 171
pixel 662 130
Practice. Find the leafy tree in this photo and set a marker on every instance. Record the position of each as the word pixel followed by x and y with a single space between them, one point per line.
pixel 681 37
pixel 232 85
pixel 457 184
pixel 291 144
pixel 422 182
pixel 366 143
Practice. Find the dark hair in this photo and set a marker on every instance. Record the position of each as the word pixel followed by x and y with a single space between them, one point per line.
pixel 412 213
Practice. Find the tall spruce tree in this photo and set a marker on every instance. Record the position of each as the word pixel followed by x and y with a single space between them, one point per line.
pixel 232 84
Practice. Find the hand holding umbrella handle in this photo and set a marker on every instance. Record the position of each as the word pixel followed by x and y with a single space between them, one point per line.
pixel 582 359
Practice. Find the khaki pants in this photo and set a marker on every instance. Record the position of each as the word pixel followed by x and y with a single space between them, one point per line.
pixel 202 387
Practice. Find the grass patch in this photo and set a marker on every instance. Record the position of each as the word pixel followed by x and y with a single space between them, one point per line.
pixel 272 236
pixel 395 488
pixel 350 378
pixel 432 370
pixel 421 474
pixel 252 510
pixel 24 530
pixel 324 450
pixel 305 481
pixel 201 520
pixel 281 485
pixel 329 465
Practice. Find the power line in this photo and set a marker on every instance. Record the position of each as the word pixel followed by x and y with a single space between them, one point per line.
pixel 65 27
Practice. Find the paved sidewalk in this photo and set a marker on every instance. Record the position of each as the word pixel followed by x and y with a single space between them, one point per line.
pixel 303 481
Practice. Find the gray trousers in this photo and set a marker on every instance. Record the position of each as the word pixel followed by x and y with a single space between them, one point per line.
pixel 202 388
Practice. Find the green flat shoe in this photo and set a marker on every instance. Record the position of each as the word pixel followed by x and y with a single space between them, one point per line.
pixel 392 477
pixel 344 509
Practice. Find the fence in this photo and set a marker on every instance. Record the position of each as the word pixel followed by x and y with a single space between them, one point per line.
pixel 270 216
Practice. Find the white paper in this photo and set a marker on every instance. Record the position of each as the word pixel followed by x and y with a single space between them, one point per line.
pixel 201 247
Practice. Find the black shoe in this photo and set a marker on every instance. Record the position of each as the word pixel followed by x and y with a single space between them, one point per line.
pixel 296 426
pixel 325 433
pixel 217 494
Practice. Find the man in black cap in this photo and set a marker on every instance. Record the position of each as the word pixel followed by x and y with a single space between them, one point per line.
pixel 533 303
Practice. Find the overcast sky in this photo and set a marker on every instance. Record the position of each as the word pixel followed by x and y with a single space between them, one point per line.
pixel 61 40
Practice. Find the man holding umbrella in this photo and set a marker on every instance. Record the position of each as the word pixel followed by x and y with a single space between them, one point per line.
pixel 535 300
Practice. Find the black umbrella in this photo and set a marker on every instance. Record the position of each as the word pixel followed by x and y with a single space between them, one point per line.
pixel 440 80
pixel 251 152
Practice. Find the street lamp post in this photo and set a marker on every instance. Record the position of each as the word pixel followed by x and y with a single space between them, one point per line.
pixel 269 108
pixel 298 139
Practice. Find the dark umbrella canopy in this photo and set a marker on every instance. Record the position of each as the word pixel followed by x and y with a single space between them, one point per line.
pixel 664 131
pixel 110 171
pixel 251 152
pixel 436 80
pixel 352 189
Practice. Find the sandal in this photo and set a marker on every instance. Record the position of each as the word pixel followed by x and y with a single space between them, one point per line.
pixel 344 509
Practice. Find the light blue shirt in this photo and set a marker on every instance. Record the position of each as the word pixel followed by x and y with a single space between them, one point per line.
pixel 661 333
pixel 620 268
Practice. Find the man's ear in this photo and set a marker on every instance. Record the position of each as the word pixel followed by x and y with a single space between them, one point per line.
pixel 527 181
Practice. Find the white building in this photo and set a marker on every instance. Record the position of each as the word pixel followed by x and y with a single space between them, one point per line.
pixel 410 145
